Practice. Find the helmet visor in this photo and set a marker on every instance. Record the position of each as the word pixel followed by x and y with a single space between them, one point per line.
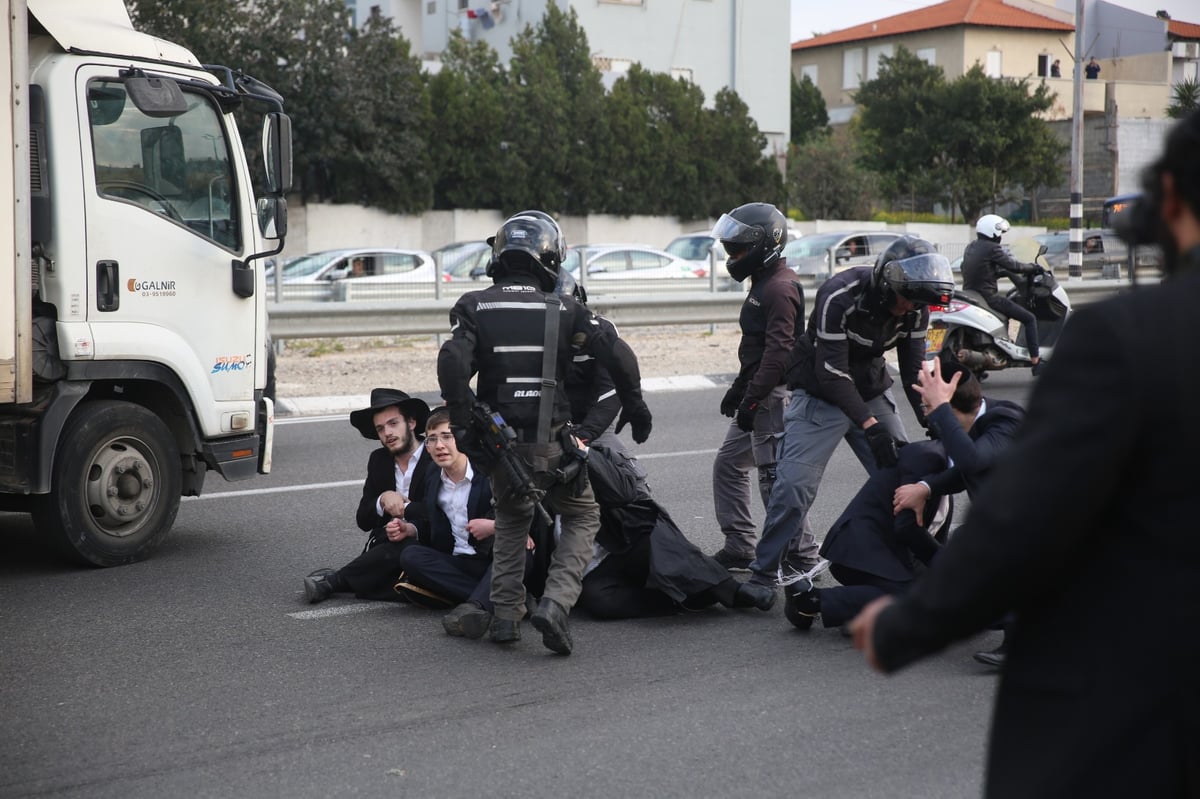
pixel 732 232
pixel 924 279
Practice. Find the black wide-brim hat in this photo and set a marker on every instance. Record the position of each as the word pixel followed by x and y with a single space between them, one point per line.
pixel 413 408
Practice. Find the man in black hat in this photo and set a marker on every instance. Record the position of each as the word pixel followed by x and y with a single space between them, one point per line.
pixel 396 471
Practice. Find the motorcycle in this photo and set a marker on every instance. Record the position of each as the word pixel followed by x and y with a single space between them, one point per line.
pixel 985 340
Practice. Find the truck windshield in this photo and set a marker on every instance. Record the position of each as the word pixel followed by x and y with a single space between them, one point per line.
pixel 178 168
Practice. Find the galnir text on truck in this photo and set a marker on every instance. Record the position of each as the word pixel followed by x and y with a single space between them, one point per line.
pixel 133 327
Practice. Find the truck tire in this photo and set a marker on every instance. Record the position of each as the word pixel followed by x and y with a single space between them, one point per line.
pixel 116 485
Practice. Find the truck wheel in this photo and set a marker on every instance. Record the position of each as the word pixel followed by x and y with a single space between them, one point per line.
pixel 116 485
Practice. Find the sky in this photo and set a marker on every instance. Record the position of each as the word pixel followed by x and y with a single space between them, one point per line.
pixel 823 16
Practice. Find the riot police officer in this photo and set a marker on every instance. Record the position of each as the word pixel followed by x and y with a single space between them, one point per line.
pixel 520 336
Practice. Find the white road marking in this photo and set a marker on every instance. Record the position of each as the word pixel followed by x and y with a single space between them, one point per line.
pixel 340 610
pixel 251 492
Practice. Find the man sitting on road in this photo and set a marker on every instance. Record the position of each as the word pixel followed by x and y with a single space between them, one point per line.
pixel 453 556
pixel 396 471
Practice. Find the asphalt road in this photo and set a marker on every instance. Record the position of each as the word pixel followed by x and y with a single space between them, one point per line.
pixel 202 672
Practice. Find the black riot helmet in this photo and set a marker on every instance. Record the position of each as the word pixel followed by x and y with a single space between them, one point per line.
pixel 532 242
pixel 753 236
pixel 913 269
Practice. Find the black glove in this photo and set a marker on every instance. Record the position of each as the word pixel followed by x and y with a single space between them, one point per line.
pixel 733 398
pixel 885 448
pixel 745 415
pixel 638 418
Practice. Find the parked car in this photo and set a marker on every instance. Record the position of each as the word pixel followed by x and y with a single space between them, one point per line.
pixel 636 266
pixel 464 260
pixel 809 255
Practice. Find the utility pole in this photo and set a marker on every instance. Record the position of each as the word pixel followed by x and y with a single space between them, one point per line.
pixel 1075 255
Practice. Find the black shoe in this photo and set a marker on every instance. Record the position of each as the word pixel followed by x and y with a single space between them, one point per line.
pixel 754 595
pixel 318 586
pixel 801 605
pixel 468 620
pixel 504 631
pixel 732 562
pixel 550 619
pixel 995 658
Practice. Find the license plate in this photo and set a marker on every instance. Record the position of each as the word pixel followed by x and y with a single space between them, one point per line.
pixel 934 337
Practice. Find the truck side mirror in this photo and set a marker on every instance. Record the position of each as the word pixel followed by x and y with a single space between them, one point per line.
pixel 277 151
pixel 272 217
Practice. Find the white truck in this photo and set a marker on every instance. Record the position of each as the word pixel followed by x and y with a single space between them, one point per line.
pixel 133 325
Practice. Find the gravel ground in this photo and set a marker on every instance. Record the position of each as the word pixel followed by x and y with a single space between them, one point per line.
pixel 353 366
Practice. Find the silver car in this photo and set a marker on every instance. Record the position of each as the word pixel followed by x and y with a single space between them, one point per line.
pixel 823 254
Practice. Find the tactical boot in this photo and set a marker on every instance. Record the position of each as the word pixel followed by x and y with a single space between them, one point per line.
pixel 550 619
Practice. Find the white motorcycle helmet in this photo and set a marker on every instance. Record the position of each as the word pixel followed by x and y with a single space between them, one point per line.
pixel 991 226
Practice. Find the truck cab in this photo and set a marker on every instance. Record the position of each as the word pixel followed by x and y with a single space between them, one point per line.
pixel 139 336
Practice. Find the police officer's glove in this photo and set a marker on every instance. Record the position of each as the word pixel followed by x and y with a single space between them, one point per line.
pixel 885 448
pixel 733 398
pixel 745 415
pixel 638 418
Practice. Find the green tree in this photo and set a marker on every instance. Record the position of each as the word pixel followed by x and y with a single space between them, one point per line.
pixel 973 142
pixel 896 113
pixel 555 123
pixel 385 162
pixel 1185 98
pixel 825 180
pixel 730 157
pixel 471 155
pixel 656 122
pixel 809 116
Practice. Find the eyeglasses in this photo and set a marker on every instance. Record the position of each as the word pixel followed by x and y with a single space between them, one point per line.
pixel 445 438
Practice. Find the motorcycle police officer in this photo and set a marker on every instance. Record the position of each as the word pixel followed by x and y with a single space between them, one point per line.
pixel 840 383
pixel 753 236
pixel 519 335
pixel 984 262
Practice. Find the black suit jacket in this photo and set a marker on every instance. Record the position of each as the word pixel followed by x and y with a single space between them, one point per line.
pixel 1087 530
pixel 381 476
pixel 973 452
pixel 433 530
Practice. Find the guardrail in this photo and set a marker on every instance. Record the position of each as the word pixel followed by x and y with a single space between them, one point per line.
pixel 291 320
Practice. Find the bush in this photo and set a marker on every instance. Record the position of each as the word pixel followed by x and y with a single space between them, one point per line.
pixel 900 217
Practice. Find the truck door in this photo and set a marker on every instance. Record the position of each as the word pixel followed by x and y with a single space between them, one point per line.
pixel 165 219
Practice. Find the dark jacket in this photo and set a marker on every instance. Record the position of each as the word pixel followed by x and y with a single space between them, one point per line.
pixel 499 333
pixel 839 357
pixel 771 314
pixel 1087 531
pixel 985 262
pixel 381 476
pixel 627 513
pixel 434 529
pixel 972 452
pixel 592 393
pixel 867 536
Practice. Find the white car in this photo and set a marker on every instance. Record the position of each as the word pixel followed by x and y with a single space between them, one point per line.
pixel 809 255
pixel 631 262
pixel 359 273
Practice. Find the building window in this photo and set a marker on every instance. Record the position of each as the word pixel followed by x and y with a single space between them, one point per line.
pixel 852 60
pixel 431 7
pixel 873 56
pixel 928 55
pixel 1043 65
pixel 618 66
pixel 992 67
pixel 809 71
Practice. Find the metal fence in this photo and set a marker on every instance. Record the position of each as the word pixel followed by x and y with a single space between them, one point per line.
pixel 292 320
